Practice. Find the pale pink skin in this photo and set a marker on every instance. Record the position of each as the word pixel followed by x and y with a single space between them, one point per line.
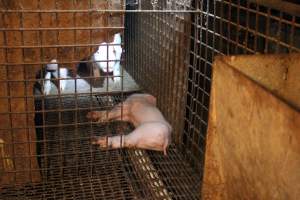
pixel 152 131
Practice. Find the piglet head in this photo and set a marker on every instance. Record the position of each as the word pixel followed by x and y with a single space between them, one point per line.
pixel 151 99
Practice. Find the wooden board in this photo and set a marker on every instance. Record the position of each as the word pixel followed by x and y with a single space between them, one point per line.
pixel 277 73
pixel 253 139
pixel 17 129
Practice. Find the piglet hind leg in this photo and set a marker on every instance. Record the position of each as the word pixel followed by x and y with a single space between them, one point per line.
pixel 151 136
pixel 165 147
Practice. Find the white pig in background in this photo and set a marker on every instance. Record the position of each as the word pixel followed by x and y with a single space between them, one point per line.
pixel 114 51
pixel 53 70
pixel 118 52
pixel 63 73
pixel 151 132
pixel 50 69
pixel 47 83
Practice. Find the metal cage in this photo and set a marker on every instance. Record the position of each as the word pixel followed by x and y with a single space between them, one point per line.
pixel 168 50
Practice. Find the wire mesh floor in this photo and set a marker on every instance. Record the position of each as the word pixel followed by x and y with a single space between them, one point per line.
pixel 72 168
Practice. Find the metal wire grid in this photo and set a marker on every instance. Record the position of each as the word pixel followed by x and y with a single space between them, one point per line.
pixel 49 22
pixel 70 167
pixel 25 49
pixel 64 154
pixel 156 56
pixel 228 27
pixel 74 169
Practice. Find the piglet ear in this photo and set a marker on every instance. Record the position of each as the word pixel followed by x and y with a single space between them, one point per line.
pixel 151 99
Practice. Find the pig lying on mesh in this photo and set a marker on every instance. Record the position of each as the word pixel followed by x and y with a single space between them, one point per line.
pixel 151 132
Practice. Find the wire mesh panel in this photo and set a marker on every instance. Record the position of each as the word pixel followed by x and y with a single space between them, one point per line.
pixel 227 28
pixel 51 80
pixel 157 57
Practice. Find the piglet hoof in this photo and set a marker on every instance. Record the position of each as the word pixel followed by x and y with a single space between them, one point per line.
pixel 101 141
pixel 165 152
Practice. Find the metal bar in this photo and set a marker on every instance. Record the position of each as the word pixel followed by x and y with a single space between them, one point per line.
pixel 98 11
pixel 62 28
pixel 285 6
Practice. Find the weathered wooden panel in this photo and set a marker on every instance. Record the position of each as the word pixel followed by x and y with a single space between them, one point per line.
pixel 277 73
pixel 253 140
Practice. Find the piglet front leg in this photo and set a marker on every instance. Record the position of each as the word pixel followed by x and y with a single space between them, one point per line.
pixel 119 112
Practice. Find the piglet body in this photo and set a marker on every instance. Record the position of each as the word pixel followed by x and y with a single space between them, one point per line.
pixel 152 131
